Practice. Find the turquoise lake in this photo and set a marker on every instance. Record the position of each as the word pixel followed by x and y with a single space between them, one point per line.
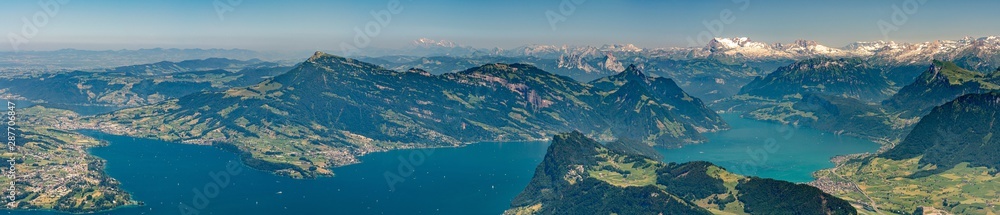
pixel 770 150
pixel 477 179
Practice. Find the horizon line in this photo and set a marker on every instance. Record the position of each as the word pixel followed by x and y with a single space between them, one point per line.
pixel 459 45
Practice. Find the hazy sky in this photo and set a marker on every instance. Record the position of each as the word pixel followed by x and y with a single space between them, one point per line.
pixel 324 25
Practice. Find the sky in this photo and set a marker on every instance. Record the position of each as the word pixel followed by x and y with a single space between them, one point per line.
pixel 295 25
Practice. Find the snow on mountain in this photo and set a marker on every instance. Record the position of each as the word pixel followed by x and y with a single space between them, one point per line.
pixel 981 53
pixel 982 48
pixel 424 42
pixel 611 63
pixel 868 48
pixel 535 50
pixel 985 48
pixel 811 48
pixel 621 48
pixel 738 43
pixel 745 48
pixel 570 61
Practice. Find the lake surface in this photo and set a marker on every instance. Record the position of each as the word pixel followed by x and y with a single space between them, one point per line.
pixel 770 150
pixel 477 179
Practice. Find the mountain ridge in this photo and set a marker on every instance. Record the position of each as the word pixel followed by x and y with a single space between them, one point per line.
pixel 975 53
pixel 942 82
pixel 847 77
pixel 958 131
pixel 384 109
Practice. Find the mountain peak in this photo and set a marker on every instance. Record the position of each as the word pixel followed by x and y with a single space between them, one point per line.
pixel 621 48
pixel 952 70
pixel 425 42
pixel 323 58
pixel 569 138
pixel 632 67
pixel 734 39
pixel 505 70
pixel 727 43
pixel 940 83
pixel 317 55
pixel 806 43
pixel 633 72
pixel 499 66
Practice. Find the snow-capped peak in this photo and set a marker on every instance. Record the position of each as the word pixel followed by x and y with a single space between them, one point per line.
pixel 742 46
pixel 808 48
pixel 535 50
pixel 868 47
pixel 729 43
pixel 983 48
pixel 425 42
pixel 621 48
pixel 746 48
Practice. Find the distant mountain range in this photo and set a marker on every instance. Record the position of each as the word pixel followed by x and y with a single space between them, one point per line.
pixel 977 53
pixel 712 72
pixel 980 54
pixel 73 59
pixel 932 105
pixel 709 79
pixel 167 67
pixel 137 84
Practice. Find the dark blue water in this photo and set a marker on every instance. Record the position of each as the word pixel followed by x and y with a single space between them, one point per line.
pixel 476 179
pixel 770 150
